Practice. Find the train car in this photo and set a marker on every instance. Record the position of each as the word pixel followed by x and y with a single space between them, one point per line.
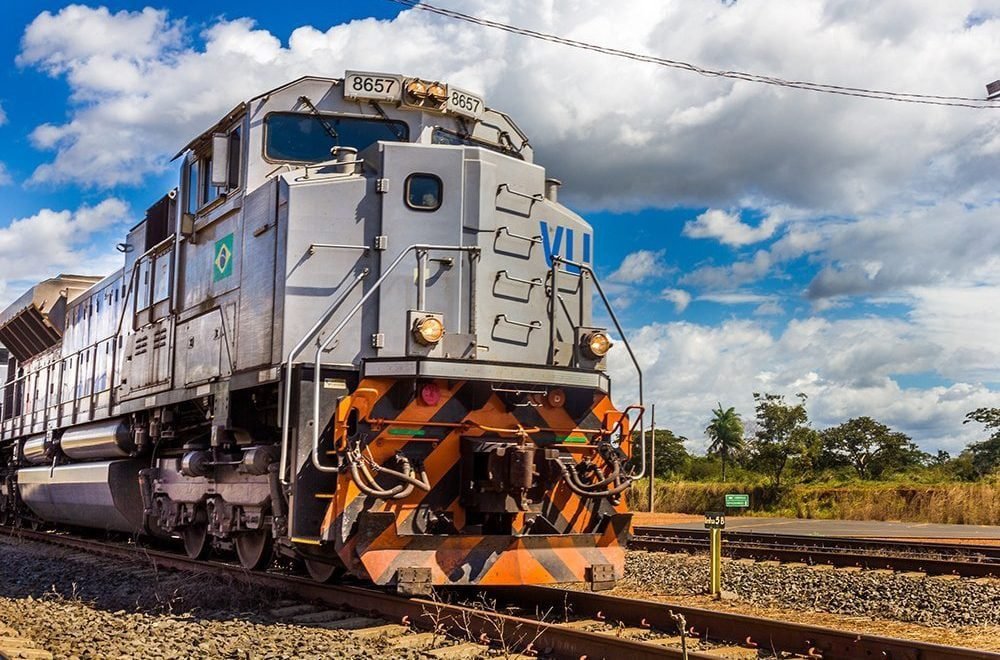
pixel 359 333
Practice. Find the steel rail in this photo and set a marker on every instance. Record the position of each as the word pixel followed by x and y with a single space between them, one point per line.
pixel 812 550
pixel 547 638
pixel 813 540
pixel 766 634
pixel 551 638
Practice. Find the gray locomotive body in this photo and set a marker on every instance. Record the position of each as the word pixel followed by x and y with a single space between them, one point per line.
pixel 328 239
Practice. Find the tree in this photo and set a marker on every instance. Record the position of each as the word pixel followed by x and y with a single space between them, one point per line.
pixel 670 456
pixel 726 433
pixel 872 448
pixel 985 454
pixel 782 434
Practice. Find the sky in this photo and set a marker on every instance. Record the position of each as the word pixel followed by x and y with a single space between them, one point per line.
pixel 753 238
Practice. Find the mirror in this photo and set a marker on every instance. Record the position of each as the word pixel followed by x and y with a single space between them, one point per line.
pixel 220 160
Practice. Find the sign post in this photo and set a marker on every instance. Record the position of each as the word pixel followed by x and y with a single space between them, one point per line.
pixel 715 522
pixel 652 460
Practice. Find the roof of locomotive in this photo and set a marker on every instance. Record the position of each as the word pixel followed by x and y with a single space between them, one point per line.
pixel 241 107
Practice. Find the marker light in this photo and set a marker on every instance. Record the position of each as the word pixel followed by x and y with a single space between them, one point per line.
pixel 428 330
pixel 596 344
pixel 430 394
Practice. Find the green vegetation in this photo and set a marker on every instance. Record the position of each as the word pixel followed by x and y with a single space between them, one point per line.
pixel 859 469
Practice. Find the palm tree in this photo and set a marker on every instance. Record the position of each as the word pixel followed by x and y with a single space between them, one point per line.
pixel 726 433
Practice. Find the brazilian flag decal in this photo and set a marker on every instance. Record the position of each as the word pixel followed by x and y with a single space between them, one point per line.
pixel 222 263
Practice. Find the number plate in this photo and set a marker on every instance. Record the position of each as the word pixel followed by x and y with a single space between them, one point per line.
pixel 715 520
pixel 464 103
pixel 372 86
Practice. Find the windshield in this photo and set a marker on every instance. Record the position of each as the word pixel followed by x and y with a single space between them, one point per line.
pixel 442 136
pixel 292 136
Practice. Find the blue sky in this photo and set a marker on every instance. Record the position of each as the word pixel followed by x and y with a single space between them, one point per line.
pixel 753 238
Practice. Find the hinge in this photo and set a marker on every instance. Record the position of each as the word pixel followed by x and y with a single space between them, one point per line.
pixel 378 340
pixel 382 185
pixel 381 242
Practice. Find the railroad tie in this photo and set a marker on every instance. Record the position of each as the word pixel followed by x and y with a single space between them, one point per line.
pixel 389 630
pixel 352 623
pixel 323 616
pixel 292 610
pixel 733 653
pixel 691 643
pixel 12 645
pixel 458 652
pixel 418 642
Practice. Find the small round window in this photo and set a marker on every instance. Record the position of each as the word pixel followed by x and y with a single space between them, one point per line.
pixel 423 192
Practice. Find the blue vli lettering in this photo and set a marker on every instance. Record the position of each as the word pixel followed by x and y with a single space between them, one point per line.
pixel 552 243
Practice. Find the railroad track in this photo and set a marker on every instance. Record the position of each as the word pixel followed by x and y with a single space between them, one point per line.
pixel 930 558
pixel 577 624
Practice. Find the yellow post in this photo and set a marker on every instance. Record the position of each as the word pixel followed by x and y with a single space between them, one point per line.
pixel 715 575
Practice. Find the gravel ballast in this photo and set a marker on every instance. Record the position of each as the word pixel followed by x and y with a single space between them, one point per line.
pixel 916 598
pixel 80 606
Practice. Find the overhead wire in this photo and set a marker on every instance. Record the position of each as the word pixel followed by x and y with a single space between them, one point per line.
pixel 825 88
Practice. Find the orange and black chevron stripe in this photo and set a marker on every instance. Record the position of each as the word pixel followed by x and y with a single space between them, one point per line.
pixel 375 537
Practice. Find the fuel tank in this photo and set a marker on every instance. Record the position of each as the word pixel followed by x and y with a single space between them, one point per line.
pixel 101 495
pixel 36 450
pixel 103 440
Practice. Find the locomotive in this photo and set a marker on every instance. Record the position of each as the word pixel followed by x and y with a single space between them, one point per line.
pixel 359 333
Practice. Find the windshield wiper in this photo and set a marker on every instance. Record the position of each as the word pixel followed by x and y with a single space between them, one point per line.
pixel 327 126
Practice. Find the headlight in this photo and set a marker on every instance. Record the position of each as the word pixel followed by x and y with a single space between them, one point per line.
pixel 596 344
pixel 417 89
pixel 428 330
pixel 437 92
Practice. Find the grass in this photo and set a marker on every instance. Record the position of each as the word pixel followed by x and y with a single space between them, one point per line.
pixel 959 503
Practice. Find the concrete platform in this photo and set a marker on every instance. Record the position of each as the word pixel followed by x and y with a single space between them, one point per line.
pixel 850 528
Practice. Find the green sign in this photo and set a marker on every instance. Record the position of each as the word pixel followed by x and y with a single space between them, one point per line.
pixel 737 500
pixel 222 262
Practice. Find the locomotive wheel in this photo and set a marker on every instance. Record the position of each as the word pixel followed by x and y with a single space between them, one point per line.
pixel 321 571
pixel 254 549
pixel 197 542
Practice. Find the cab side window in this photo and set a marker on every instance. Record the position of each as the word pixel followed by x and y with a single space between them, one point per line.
pixel 198 180
pixel 423 192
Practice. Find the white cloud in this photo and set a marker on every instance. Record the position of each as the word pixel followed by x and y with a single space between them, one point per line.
pixel 5 178
pixel 728 228
pixel 639 266
pixel 769 308
pixel 679 297
pixel 3 116
pixel 50 242
pixel 848 368
pixel 732 275
pixel 141 90
pixel 70 40
pixel 735 298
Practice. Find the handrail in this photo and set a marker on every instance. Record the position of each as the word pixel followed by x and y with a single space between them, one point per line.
pixel 537 197
pixel 335 246
pixel 343 324
pixel 285 412
pixel 556 259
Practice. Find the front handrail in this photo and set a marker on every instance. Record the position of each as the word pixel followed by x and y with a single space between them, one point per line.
pixel 313 331
pixel 418 247
pixel 556 259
